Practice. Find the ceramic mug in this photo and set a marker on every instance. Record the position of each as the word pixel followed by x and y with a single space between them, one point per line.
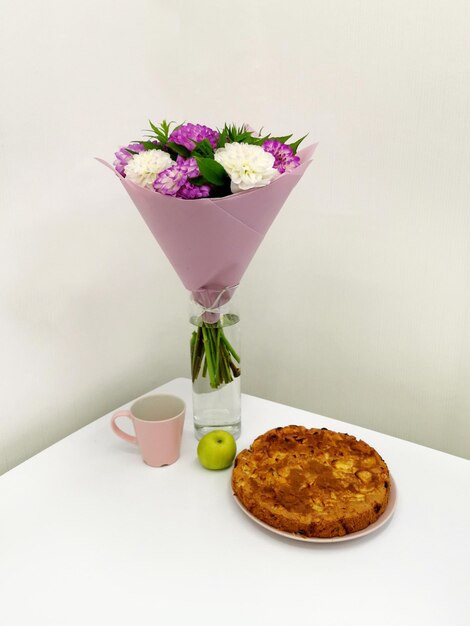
pixel 158 424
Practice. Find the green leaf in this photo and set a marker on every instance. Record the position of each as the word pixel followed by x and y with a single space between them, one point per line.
pixel 212 171
pixel 284 139
pixel 181 150
pixel 165 126
pixel 159 134
pixel 203 148
pixel 255 141
pixel 240 135
pixel 162 132
pixel 237 134
pixel 198 181
pixel 222 138
pixel 296 144
pixel 149 145
pixel 155 129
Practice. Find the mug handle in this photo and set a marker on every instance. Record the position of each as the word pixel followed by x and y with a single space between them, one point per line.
pixel 118 431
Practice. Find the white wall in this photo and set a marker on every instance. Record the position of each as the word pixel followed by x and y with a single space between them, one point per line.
pixel 356 305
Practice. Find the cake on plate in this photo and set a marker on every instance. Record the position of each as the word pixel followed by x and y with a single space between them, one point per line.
pixel 313 482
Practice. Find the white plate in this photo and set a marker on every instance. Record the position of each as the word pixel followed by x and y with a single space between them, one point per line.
pixel 383 519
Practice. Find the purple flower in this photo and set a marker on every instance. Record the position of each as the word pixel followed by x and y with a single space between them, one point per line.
pixel 284 158
pixel 191 134
pixel 175 181
pixel 170 181
pixel 189 166
pixel 191 192
pixel 123 156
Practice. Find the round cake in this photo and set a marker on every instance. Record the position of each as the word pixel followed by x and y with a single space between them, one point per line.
pixel 310 481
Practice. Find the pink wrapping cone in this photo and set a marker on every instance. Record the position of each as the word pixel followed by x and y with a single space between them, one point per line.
pixel 211 241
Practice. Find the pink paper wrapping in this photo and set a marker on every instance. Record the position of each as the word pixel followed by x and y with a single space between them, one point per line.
pixel 211 241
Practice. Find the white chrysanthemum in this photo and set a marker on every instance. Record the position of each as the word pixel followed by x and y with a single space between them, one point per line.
pixel 144 167
pixel 248 166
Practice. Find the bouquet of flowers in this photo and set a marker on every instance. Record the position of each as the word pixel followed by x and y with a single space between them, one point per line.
pixel 237 180
pixel 194 161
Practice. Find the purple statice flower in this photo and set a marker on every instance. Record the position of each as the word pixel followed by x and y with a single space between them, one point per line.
pixel 284 158
pixel 175 180
pixel 123 156
pixel 189 135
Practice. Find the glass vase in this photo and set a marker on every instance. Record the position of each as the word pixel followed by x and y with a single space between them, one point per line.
pixel 215 361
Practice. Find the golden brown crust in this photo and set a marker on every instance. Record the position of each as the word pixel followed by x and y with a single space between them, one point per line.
pixel 315 482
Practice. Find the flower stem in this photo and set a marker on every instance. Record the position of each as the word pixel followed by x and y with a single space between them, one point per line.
pixel 226 373
pixel 208 351
pixel 212 353
pixel 235 369
pixel 217 352
pixel 229 346
pixel 196 354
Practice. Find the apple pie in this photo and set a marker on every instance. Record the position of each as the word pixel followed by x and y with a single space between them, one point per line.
pixel 313 482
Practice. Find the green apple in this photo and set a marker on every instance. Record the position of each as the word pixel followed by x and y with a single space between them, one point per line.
pixel 216 450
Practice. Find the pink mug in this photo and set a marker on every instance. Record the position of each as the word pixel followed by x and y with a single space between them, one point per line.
pixel 158 424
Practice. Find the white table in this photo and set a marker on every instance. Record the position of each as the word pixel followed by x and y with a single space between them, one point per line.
pixel 90 535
